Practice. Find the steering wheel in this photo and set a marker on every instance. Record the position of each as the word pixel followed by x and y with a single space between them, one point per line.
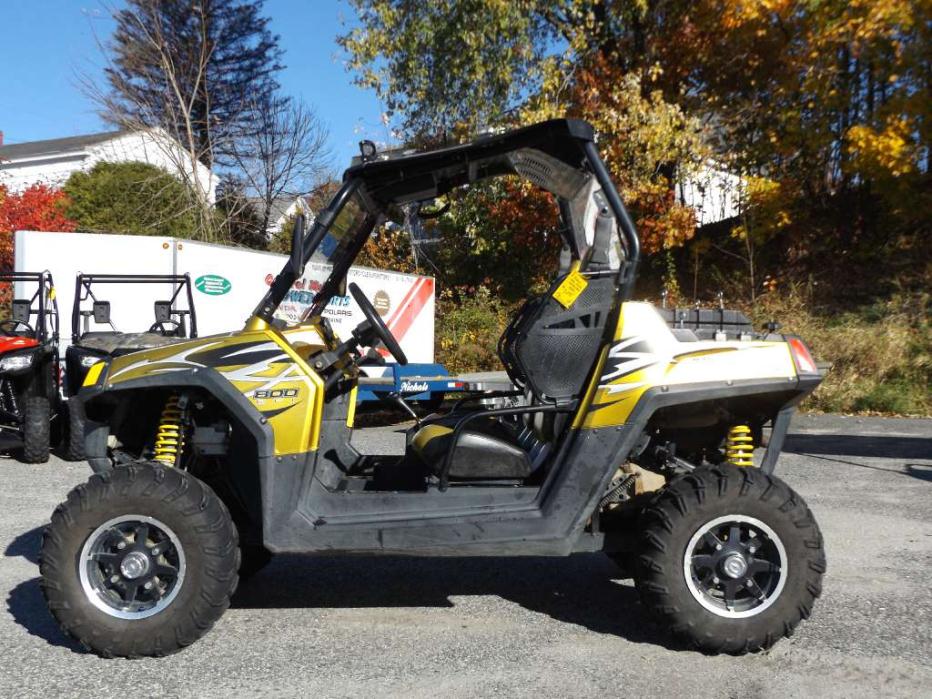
pixel 11 328
pixel 162 326
pixel 377 325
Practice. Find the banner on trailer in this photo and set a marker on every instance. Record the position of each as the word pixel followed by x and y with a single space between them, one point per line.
pixel 405 303
pixel 232 281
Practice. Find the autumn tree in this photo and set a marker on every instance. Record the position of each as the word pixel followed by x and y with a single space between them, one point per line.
pixel 502 235
pixel 37 208
pixel 449 67
pixel 441 64
pixel 822 108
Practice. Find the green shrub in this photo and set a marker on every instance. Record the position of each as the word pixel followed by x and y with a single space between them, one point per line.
pixel 468 326
pixel 881 355
pixel 131 197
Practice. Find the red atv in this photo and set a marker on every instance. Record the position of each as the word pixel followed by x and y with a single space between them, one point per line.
pixel 29 367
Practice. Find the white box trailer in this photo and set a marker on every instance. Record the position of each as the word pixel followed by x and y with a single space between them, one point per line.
pixel 228 284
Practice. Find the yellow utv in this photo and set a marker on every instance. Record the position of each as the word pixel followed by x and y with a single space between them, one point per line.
pixel 623 435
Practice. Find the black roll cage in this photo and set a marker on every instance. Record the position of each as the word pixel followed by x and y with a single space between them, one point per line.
pixel 82 291
pixel 46 285
pixel 387 179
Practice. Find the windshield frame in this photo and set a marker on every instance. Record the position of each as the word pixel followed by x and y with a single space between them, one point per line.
pixel 312 240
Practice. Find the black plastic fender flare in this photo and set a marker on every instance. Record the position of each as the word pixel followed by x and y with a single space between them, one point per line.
pixel 619 440
pixel 212 381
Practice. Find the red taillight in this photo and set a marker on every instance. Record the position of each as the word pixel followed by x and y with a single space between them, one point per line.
pixel 805 364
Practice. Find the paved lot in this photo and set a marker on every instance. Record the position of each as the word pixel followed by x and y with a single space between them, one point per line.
pixel 520 627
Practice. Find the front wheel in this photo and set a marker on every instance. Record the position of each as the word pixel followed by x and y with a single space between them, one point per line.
pixel 731 559
pixel 139 561
pixel 37 429
pixel 74 432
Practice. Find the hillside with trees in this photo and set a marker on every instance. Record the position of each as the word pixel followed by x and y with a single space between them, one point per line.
pixel 822 109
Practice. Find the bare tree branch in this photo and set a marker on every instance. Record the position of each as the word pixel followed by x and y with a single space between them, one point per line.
pixel 284 155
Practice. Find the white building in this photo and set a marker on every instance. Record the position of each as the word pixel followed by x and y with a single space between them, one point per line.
pixel 714 194
pixel 51 162
pixel 284 208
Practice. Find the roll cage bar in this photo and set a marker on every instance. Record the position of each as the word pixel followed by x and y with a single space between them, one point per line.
pixel 45 292
pixel 82 291
pixel 386 179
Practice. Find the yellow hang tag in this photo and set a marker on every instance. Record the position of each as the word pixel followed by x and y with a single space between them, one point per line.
pixel 570 289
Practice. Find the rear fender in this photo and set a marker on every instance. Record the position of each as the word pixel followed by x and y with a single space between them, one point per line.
pixel 610 446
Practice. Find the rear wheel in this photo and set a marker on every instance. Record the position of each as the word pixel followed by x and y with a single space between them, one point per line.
pixel 731 559
pixel 36 430
pixel 139 561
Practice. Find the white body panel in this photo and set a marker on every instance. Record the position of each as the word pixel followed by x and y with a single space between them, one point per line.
pixel 405 301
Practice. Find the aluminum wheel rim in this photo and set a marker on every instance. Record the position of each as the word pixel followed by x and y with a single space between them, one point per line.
pixel 735 566
pixel 132 567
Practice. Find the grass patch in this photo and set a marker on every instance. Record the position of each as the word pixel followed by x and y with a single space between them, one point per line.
pixel 881 354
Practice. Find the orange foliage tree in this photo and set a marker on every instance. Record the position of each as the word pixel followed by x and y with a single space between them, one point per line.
pixel 821 109
pixel 37 208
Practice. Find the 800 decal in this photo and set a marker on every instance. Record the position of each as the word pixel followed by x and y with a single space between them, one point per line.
pixel 275 393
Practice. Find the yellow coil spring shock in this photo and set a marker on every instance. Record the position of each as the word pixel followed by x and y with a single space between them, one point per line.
pixel 169 439
pixel 739 446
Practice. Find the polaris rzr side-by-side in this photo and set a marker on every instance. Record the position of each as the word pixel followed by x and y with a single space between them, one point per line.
pixel 174 319
pixel 29 369
pixel 657 449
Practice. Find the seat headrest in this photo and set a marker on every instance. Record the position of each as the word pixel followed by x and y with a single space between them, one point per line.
pixel 22 310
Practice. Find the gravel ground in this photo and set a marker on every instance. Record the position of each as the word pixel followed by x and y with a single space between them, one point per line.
pixel 520 627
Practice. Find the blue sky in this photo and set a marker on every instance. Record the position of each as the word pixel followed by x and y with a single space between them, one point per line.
pixel 47 44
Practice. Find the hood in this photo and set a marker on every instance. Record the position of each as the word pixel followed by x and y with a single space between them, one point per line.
pixel 125 343
pixel 10 344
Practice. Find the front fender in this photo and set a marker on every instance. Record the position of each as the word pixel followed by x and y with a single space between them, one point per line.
pixel 96 402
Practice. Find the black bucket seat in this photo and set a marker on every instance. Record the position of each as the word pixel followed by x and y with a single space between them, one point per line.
pixel 549 351
pixel 487 449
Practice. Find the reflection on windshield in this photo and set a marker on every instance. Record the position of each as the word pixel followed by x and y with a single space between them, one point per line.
pixel 340 235
pixel 297 305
